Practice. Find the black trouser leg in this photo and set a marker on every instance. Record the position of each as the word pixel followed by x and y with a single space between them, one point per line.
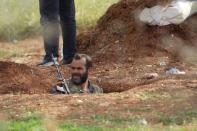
pixel 68 25
pixel 49 11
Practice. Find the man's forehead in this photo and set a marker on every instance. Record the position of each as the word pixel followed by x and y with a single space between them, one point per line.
pixel 81 61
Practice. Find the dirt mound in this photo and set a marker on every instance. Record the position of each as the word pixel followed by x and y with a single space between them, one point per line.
pixel 126 48
pixel 120 37
pixel 19 78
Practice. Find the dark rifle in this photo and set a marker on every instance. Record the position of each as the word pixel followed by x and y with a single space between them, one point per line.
pixel 61 77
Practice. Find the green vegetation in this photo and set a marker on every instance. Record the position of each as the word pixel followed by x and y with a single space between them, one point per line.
pixel 19 19
pixel 33 123
pixel 114 120
pixel 180 118
pixel 27 124
pixel 152 95
pixel 5 53
pixel 89 11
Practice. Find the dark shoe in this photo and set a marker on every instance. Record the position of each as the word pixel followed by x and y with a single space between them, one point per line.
pixel 48 62
pixel 66 62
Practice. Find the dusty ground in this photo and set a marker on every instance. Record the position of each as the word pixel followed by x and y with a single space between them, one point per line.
pixel 124 53
pixel 25 88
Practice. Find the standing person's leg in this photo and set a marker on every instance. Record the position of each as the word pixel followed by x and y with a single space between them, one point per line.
pixel 49 11
pixel 68 24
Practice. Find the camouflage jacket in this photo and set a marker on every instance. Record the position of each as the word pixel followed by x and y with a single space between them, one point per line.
pixel 92 89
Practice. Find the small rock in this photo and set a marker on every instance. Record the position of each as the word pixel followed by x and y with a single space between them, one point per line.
pixel 143 121
pixel 105 104
pixel 149 65
pixel 163 63
pixel 15 41
pixel 79 101
pixel 29 114
pixel 19 61
pixel 152 75
pixel 117 41
pixel 130 59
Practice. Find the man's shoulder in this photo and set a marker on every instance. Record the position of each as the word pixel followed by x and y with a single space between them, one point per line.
pixel 73 88
pixel 95 88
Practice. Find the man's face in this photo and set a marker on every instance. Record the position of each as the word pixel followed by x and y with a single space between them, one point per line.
pixel 79 73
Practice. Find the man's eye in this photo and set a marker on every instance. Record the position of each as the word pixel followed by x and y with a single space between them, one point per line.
pixel 76 68
pixel 73 68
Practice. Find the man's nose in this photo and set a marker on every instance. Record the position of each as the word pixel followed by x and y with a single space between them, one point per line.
pixel 75 70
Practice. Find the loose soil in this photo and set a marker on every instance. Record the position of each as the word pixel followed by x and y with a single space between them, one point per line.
pixel 20 78
pixel 120 37
pixel 124 52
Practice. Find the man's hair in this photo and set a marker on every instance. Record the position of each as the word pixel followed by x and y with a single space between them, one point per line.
pixel 87 58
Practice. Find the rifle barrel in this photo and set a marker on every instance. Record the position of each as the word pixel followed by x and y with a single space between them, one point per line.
pixel 61 76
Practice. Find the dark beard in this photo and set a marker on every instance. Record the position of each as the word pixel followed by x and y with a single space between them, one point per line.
pixel 83 78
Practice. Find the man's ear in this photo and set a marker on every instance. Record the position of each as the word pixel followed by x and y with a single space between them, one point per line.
pixel 89 70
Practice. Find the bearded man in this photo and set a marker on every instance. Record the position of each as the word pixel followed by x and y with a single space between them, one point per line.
pixel 79 81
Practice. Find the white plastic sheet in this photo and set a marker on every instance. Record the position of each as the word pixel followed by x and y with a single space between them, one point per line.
pixel 174 13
